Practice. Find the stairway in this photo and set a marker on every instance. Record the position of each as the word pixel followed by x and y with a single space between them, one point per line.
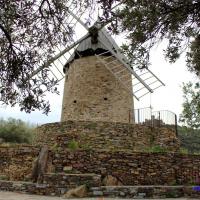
pixel 54 184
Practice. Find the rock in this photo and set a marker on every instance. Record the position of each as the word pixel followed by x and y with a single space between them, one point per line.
pixel 67 168
pixel 111 181
pixel 79 192
pixel 97 193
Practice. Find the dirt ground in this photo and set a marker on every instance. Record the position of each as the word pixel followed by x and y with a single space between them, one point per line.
pixel 18 196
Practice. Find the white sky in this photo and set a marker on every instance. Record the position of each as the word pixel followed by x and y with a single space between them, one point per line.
pixel 164 98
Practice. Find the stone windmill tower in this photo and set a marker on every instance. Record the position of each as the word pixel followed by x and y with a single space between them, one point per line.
pixel 91 91
pixel 100 82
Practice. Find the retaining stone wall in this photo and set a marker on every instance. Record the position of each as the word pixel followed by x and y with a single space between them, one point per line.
pixel 106 135
pixel 130 168
pixel 133 168
pixel 16 162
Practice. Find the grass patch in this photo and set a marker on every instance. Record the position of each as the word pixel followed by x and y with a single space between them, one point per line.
pixel 73 145
pixel 156 149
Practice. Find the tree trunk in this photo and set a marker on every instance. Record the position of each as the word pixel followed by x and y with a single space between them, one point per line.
pixel 40 165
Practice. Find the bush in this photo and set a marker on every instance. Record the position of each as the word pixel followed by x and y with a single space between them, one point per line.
pixel 156 149
pixel 73 145
pixel 16 131
pixel 190 139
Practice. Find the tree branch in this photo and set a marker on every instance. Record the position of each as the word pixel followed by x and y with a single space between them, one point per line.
pixel 6 34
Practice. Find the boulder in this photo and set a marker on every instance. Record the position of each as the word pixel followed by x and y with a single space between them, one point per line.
pixel 111 181
pixel 79 192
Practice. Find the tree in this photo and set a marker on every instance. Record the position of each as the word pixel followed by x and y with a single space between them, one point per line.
pixel 190 139
pixel 191 106
pixel 149 22
pixel 16 131
pixel 27 27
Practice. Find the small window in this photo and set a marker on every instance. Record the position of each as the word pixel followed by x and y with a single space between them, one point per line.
pixel 105 98
pixel 75 101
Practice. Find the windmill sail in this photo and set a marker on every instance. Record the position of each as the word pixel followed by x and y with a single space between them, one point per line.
pixel 143 81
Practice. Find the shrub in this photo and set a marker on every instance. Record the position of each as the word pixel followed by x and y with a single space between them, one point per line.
pixel 156 149
pixel 16 131
pixel 73 145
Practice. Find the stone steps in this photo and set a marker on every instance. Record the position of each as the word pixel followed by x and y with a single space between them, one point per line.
pixel 54 184
pixel 71 180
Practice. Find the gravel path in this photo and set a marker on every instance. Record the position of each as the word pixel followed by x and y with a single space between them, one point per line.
pixel 18 196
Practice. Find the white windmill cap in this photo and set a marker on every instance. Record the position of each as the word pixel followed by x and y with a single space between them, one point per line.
pixel 87 48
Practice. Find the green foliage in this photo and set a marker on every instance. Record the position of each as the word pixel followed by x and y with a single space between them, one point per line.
pixel 183 150
pixel 152 139
pixel 191 106
pixel 26 27
pixel 16 131
pixel 3 177
pixel 146 23
pixel 28 30
pixel 156 149
pixel 73 145
pixel 190 140
pixel 193 56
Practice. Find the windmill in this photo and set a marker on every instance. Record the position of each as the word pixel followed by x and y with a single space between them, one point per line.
pixel 100 82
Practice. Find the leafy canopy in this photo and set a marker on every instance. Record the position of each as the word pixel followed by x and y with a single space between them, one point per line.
pixel 149 22
pixel 189 139
pixel 16 131
pixel 28 31
pixel 28 27
pixel 191 106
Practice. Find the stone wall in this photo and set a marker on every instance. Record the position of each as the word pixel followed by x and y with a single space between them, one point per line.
pixel 106 135
pixel 73 167
pixel 132 168
pixel 93 93
pixel 16 162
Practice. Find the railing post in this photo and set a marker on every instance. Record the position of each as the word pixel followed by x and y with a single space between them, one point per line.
pixel 176 128
pixel 159 119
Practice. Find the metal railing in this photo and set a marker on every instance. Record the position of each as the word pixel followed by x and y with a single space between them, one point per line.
pixel 163 118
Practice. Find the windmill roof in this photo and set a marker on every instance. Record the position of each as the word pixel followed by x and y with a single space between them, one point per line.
pixel 87 48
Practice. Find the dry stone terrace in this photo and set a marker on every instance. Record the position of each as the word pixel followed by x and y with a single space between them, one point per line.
pixel 85 153
pixel 106 135
pixel 135 168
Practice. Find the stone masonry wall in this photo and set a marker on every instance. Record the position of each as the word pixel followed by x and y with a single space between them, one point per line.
pixel 73 167
pixel 106 135
pixel 16 162
pixel 92 92
pixel 132 168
